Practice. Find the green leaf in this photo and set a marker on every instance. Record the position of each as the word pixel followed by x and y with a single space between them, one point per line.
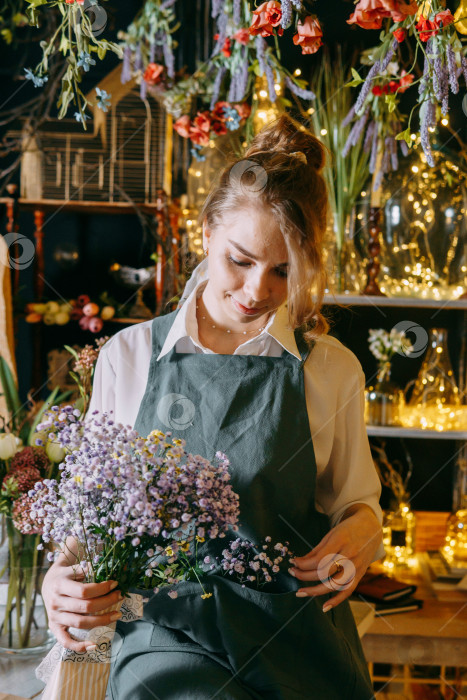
pixel 356 79
pixel 404 136
pixel 391 102
pixel 7 35
pixel 9 388
pixel 101 51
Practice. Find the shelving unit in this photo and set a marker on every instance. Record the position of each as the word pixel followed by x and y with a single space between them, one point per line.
pixel 396 432
pixel 396 302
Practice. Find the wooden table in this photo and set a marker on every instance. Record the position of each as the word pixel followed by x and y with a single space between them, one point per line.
pixel 435 636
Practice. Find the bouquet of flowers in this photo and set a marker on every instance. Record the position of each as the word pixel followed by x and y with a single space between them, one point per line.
pixel 384 345
pixel 136 509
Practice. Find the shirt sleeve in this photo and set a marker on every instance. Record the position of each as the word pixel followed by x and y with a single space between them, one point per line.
pixel 103 385
pixel 350 476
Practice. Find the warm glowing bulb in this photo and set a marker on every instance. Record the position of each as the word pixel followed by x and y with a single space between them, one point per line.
pixel 323 132
pixel 415 168
pixel 444 121
pixel 311 110
pixel 297 71
pixel 263 93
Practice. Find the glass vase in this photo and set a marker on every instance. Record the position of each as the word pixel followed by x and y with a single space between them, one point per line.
pixel 399 535
pixel 435 402
pixel 23 619
pixel 383 401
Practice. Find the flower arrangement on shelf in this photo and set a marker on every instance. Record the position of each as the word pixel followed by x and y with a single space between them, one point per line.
pixel 83 370
pixel 89 314
pixel 436 35
pixel 384 401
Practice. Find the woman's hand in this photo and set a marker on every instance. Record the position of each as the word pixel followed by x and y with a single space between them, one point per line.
pixel 71 603
pixel 352 544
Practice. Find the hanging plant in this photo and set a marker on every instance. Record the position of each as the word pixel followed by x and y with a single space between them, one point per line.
pixel 77 39
pixel 438 44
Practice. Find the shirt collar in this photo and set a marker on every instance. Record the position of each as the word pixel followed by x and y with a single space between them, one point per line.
pixel 185 325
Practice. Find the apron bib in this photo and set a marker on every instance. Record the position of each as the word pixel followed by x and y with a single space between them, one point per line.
pixel 254 644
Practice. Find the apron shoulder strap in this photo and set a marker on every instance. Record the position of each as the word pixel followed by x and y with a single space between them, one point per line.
pixel 303 346
pixel 161 326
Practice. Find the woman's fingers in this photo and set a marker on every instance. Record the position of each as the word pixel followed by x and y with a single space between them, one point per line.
pixel 85 606
pixel 64 585
pixel 63 637
pixel 85 622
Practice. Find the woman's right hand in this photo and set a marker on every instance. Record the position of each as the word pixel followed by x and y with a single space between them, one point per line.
pixel 72 603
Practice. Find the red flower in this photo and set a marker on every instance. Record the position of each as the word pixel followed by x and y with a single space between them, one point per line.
pixel 30 457
pixel 183 125
pixel 442 19
pixel 242 36
pixel 20 480
pixel 226 50
pixel 400 35
pixel 265 18
pixel 405 81
pixel 308 35
pixel 393 85
pixel 200 138
pixel 377 90
pixel 243 109
pixel 219 127
pixel 426 28
pixel 153 73
pixel 369 14
pixel 202 121
pixel 218 111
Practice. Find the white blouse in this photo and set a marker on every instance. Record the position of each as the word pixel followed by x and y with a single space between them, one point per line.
pixel 334 385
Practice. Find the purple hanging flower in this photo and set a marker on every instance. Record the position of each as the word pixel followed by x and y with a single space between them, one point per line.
pixel 391 141
pixel 366 87
pixel 286 18
pixel 427 120
pixel 152 52
pixel 387 59
pixel 464 67
pixel 126 67
pixel 167 3
pixel 374 152
pixel 369 136
pixel 426 69
pixel 237 17
pixel 300 92
pixel 216 7
pixel 138 58
pixel 143 89
pixel 452 69
pixel 233 88
pixel 349 116
pixel 217 86
pixel 297 4
pixel 169 59
pixel 270 79
pixel 243 77
pixel 222 33
pixel 404 148
pixel 260 51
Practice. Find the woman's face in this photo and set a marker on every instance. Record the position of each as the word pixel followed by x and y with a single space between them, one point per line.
pixel 247 268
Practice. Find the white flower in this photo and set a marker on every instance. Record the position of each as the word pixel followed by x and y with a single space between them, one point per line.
pixel 8 446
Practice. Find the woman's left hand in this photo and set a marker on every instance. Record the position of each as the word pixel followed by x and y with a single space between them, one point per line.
pixel 342 557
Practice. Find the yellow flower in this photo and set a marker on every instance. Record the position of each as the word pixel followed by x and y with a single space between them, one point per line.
pixel 78 479
pixel 169 551
pixel 177 441
pixel 199 539
pixel 206 595
pixel 184 546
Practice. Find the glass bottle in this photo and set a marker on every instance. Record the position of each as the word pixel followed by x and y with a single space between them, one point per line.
pixel 399 535
pixel 435 402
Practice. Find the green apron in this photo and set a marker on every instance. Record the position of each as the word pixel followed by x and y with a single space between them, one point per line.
pixel 241 643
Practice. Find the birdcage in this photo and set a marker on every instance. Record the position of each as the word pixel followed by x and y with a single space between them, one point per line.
pixel 125 153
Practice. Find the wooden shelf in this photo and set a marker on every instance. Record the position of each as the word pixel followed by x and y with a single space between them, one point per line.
pixel 401 302
pixel 393 431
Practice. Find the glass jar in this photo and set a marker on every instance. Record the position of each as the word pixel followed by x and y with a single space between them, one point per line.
pixel 435 402
pixel 23 619
pixel 399 535
pixel 383 401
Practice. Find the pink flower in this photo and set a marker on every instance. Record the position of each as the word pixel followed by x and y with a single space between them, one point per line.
pixel 265 18
pixel 369 14
pixel 153 73
pixel 308 35
pixel 405 81
pixel 242 36
pixel 445 17
pixel 202 121
pixel 218 111
pixel 243 109
pixel 200 138
pixel 182 126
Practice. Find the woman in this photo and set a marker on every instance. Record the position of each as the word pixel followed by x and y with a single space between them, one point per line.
pixel 245 365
